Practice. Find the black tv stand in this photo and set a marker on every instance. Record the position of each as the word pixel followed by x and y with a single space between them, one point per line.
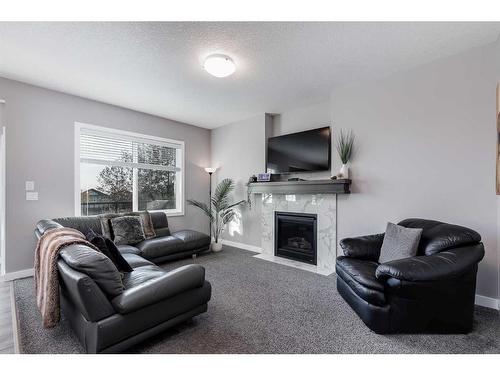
pixel 295 179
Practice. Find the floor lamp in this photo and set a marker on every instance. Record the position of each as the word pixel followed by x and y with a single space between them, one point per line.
pixel 210 170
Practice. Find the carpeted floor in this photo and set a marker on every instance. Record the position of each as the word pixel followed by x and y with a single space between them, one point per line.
pixel 263 307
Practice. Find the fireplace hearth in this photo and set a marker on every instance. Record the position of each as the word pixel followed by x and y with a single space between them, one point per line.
pixel 295 236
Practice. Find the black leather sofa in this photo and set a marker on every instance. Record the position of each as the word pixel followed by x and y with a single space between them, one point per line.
pixel 110 312
pixel 431 292
pixel 166 246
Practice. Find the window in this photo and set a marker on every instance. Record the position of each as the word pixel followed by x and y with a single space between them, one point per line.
pixel 118 171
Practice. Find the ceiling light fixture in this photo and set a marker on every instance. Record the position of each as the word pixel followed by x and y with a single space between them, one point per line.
pixel 219 65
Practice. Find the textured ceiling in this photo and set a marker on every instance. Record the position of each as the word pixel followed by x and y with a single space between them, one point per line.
pixel 156 67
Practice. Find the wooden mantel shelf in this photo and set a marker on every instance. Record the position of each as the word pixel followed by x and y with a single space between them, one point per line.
pixel 301 187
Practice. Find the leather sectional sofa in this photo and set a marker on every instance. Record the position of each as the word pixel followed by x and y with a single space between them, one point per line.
pixel 110 312
pixel 431 292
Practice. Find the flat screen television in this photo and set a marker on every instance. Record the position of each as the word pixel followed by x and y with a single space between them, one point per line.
pixel 307 151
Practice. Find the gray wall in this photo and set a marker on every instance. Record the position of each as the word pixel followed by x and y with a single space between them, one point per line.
pixel 426 144
pixel 426 141
pixel 238 150
pixel 40 147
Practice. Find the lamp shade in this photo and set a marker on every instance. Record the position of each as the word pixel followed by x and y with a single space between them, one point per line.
pixel 210 170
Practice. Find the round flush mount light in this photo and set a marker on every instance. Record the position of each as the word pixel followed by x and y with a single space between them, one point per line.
pixel 219 65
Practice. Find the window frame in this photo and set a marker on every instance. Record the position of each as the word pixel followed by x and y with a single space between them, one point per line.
pixel 180 186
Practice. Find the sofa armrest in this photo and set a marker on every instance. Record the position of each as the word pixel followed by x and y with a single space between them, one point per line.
pixel 44 225
pixel 445 265
pixel 152 291
pixel 364 247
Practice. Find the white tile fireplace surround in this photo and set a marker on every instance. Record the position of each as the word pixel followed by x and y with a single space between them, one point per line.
pixel 324 206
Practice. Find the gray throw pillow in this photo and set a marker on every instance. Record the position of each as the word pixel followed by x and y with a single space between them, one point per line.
pixel 399 243
pixel 127 230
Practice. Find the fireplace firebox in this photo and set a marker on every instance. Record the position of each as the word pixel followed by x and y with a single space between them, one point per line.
pixel 295 236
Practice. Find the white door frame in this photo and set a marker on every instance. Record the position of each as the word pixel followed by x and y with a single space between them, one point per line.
pixel 2 196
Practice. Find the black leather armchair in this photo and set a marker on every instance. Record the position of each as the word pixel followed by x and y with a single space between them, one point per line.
pixel 431 292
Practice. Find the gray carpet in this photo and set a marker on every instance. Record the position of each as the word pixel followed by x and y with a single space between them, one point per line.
pixel 263 307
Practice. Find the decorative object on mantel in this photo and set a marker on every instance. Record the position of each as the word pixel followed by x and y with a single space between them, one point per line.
pixel 345 146
pixel 220 211
pixel 264 177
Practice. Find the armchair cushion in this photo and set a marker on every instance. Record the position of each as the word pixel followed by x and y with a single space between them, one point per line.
pixel 155 290
pixel 444 265
pixel 438 236
pixel 364 247
pixel 360 276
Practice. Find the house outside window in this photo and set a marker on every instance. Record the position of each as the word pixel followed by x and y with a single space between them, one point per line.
pixel 118 171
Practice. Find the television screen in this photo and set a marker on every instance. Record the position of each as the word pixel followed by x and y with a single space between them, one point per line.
pixel 306 151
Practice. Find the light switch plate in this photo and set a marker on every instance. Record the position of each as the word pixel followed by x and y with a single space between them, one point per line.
pixel 32 195
pixel 30 185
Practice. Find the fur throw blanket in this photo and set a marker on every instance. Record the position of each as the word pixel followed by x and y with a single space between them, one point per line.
pixel 46 273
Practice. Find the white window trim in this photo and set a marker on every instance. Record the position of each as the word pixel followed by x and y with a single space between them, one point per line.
pixel 180 186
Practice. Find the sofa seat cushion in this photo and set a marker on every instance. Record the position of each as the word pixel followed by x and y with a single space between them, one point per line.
pixel 360 276
pixel 192 239
pixel 128 249
pixel 136 261
pixel 140 275
pixel 160 246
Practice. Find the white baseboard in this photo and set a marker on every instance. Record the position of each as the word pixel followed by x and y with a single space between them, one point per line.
pixel 18 275
pixel 492 303
pixel 242 246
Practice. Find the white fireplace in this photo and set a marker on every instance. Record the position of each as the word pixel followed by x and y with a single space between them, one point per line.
pixel 324 206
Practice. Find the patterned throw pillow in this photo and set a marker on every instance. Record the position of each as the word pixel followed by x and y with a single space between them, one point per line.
pixel 127 230
pixel 106 229
pixel 147 224
pixel 399 243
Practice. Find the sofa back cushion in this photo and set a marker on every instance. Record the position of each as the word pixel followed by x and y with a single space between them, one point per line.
pixel 438 236
pixel 96 265
pixel 160 223
pixel 81 223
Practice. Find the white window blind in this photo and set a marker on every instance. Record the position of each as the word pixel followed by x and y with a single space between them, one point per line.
pixel 99 147
pixel 121 171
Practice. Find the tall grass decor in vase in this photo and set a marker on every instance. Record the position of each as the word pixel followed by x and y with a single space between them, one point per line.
pixel 345 148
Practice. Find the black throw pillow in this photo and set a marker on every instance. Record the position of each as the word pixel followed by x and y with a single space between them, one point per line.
pixel 117 257
pixel 98 241
pixel 108 248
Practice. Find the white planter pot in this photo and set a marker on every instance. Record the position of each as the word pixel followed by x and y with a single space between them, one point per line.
pixel 216 247
pixel 344 171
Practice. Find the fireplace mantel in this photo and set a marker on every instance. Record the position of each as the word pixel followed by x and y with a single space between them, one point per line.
pixel 301 187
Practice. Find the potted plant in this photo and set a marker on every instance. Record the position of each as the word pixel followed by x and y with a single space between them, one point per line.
pixel 220 211
pixel 345 146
